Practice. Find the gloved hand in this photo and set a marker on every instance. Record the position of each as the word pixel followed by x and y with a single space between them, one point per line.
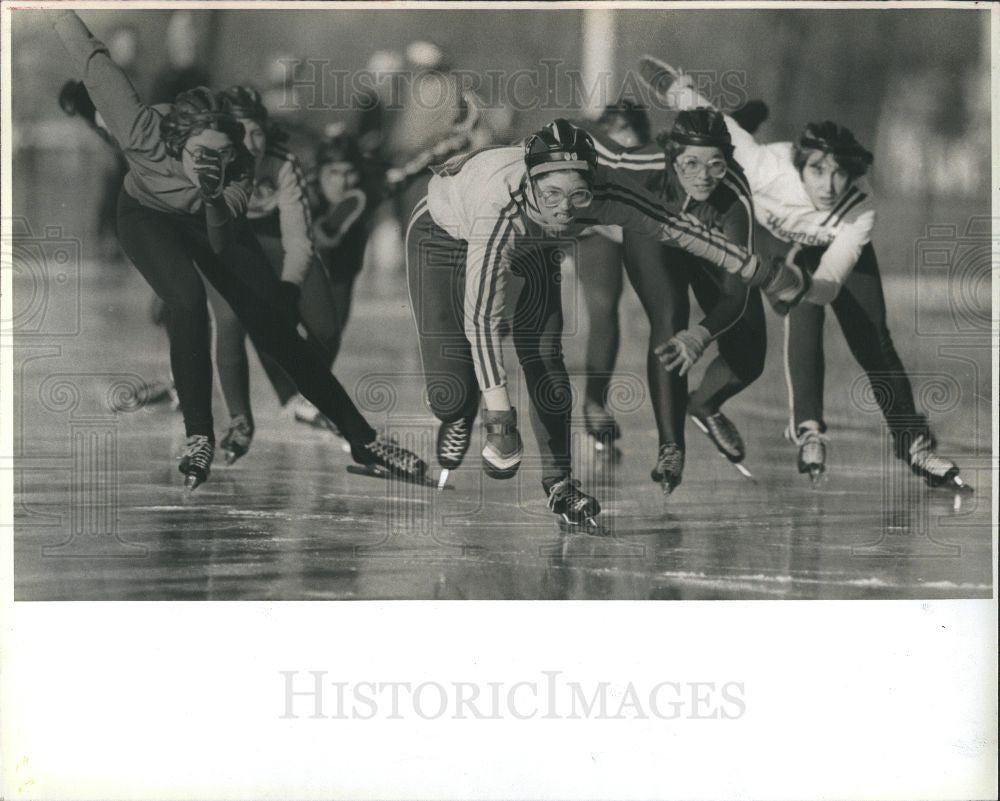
pixel 289 295
pixel 662 78
pixel 786 283
pixel 502 453
pixel 211 174
pixel 683 349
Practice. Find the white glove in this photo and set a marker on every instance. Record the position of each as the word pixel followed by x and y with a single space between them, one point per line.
pixel 683 349
pixel 667 83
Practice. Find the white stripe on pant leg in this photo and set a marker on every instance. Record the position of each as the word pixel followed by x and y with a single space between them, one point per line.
pixel 409 291
pixel 788 383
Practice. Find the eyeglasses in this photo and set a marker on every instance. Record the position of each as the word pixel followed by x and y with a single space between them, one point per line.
pixel 550 198
pixel 225 154
pixel 689 167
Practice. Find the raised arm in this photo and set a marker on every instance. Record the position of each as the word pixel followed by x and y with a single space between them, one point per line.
pixel 133 124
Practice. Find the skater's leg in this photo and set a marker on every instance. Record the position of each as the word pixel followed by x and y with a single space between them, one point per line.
pixel 742 348
pixel 159 247
pixel 230 355
pixel 805 365
pixel 860 310
pixel 435 264
pixel 244 279
pixel 537 335
pixel 659 278
pixel 599 268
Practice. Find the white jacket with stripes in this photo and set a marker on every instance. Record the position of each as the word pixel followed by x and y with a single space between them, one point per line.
pixel 483 199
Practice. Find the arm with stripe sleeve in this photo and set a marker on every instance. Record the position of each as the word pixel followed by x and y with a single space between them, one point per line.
pixel 634 208
pixel 840 257
pixel 487 264
pixel 130 121
pixel 737 225
pixel 296 225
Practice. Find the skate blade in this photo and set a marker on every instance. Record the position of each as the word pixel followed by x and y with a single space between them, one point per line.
pixel 742 470
pixel 192 482
pixel 375 471
pixel 443 479
pixel 232 457
pixel 588 525
pixel 816 476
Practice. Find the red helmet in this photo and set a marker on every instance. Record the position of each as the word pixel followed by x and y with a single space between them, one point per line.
pixel 559 146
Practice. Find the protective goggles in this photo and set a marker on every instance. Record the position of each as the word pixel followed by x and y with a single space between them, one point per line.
pixel 691 166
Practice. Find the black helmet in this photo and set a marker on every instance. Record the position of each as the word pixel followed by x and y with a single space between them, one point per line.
pixel 244 102
pixel 835 139
pixel 559 146
pixel 701 126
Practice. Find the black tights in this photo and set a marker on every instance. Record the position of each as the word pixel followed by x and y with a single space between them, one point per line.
pixel 165 248
pixel 661 276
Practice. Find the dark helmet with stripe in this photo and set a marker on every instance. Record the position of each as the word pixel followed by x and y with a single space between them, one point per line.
pixel 836 140
pixel 704 127
pixel 559 146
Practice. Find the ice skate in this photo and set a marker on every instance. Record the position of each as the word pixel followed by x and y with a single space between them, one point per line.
pixel 812 453
pixel 936 471
pixel 726 438
pixel 196 460
pixel 383 458
pixel 453 442
pixel 669 467
pixel 602 430
pixel 237 439
pixel 574 507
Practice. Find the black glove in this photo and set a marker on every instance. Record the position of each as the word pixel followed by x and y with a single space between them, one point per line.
pixel 74 99
pixel 289 295
pixel 211 174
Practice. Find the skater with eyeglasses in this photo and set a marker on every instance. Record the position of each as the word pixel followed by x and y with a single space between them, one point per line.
pixel 816 210
pixel 505 210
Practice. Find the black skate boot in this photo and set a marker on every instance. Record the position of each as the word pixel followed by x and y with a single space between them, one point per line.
pixel 936 471
pixel 602 429
pixel 573 506
pixel 812 452
pixel 726 438
pixel 237 439
pixel 453 442
pixel 196 461
pixel 669 467
pixel 383 458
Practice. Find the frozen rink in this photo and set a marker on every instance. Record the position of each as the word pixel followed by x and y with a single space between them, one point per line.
pixel 101 513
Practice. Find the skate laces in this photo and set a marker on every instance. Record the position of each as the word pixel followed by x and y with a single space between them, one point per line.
pixel 670 460
pixel 199 452
pixel 566 492
pixel 723 429
pixel 812 445
pixel 455 439
pixel 922 456
pixel 390 453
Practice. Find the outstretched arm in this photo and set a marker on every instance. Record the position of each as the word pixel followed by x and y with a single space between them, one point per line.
pixel 134 124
